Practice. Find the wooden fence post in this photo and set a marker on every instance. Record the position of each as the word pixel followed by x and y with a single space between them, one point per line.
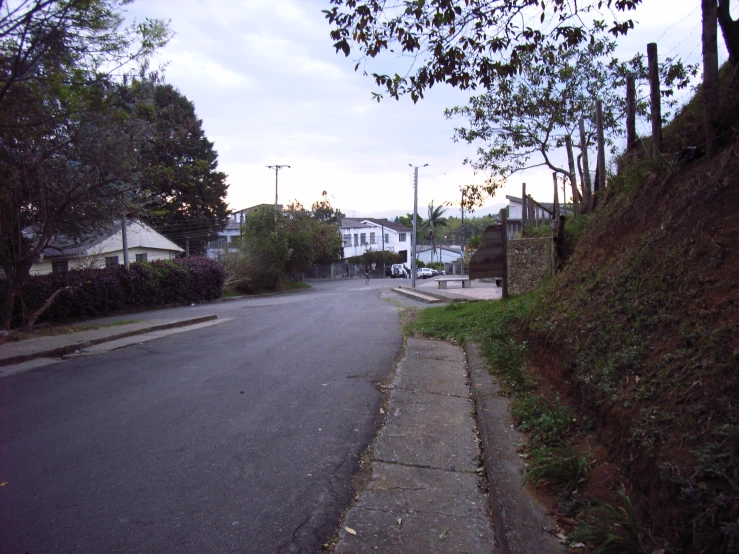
pixel 555 204
pixel 524 210
pixel 587 185
pixel 655 101
pixel 710 75
pixel 504 223
pixel 573 176
pixel 600 183
pixel 630 111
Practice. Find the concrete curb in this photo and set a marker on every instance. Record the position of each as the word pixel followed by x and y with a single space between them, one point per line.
pixel 71 348
pixel 521 524
pixel 421 296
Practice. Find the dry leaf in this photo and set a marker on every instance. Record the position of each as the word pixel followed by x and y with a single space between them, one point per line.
pixel 4 484
pixel 400 521
pixel 382 411
pixel 637 379
pixel 350 530
pixel 480 469
pixel 444 535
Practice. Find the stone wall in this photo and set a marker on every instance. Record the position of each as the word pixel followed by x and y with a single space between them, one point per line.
pixel 529 261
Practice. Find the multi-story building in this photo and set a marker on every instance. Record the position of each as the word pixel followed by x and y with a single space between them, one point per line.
pixel 370 234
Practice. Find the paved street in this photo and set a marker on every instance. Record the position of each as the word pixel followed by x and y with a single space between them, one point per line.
pixel 240 437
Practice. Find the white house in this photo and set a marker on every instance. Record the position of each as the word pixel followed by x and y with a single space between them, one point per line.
pixel 542 212
pixel 105 250
pixel 229 238
pixel 444 253
pixel 369 234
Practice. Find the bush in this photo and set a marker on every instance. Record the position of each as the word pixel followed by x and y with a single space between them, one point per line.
pixel 98 292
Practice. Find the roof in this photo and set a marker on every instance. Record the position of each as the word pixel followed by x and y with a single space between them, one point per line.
pixel 109 239
pixel 348 223
pixel 449 248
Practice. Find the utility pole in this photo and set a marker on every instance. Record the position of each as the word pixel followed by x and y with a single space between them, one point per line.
pixel 462 241
pixel 415 211
pixel 382 222
pixel 124 232
pixel 277 171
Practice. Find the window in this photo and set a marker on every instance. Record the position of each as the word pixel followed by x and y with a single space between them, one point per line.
pixel 60 266
pixel 347 240
pixel 111 261
pixel 372 238
pixel 142 257
pixel 387 238
pixel 363 238
pixel 356 239
pixel 401 237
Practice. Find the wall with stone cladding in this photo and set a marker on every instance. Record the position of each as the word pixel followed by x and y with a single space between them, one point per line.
pixel 529 261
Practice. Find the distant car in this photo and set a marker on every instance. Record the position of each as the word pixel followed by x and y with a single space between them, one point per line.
pixel 435 272
pixel 442 272
pixel 398 271
pixel 425 273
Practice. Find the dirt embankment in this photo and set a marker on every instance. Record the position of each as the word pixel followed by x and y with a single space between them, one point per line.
pixel 641 335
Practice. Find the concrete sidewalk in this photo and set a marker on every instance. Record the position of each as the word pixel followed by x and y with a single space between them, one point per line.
pixel 480 290
pixel 426 466
pixel 60 345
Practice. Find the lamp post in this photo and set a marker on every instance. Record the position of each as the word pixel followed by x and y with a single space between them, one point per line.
pixel 415 211
pixel 277 170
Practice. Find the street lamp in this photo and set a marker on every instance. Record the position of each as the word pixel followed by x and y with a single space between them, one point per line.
pixel 415 211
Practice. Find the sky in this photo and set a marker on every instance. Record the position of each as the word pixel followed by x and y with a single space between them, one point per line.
pixel 270 89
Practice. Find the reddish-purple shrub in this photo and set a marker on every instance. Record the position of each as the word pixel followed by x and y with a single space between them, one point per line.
pixel 98 292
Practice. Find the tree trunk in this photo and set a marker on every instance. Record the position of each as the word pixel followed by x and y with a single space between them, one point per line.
pixel 573 178
pixel 42 309
pixel 730 30
pixel 710 75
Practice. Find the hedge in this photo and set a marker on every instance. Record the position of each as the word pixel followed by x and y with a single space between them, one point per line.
pixel 99 292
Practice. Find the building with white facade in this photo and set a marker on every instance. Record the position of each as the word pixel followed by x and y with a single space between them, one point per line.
pixel 446 254
pixel 370 234
pixel 542 211
pixel 229 238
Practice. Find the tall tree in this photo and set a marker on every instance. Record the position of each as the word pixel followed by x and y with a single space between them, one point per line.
pixel 67 141
pixel 435 220
pixel 182 192
pixel 466 44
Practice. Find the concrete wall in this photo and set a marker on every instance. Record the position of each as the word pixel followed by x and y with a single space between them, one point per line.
pixel 529 261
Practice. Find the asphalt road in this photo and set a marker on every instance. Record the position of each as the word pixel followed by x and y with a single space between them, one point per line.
pixel 242 437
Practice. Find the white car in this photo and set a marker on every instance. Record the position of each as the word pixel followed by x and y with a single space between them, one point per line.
pixel 425 273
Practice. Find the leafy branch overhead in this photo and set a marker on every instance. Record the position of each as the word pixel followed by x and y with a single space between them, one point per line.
pixel 468 44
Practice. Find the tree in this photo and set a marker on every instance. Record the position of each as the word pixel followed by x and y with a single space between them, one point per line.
pixel 466 44
pixel 265 243
pixel 530 114
pixel 67 140
pixel 183 194
pixel 323 211
pixel 434 221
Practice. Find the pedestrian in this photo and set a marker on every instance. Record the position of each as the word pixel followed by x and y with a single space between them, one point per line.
pixel 366 274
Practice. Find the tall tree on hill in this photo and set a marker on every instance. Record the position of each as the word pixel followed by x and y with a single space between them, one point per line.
pixel 183 193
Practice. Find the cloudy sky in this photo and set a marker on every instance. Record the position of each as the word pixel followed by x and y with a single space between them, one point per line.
pixel 270 89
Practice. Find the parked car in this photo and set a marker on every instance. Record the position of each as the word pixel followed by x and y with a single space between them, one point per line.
pixel 435 272
pixel 424 273
pixel 398 271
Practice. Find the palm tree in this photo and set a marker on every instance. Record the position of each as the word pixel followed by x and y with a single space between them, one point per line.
pixel 434 220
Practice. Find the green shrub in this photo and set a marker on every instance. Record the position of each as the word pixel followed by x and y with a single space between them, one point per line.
pixel 562 467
